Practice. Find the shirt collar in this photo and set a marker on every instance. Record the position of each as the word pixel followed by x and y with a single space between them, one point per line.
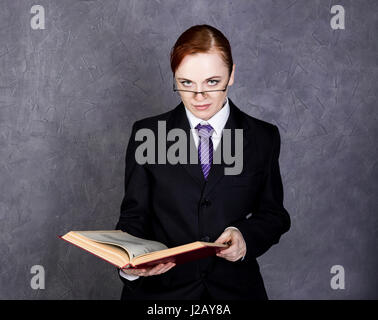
pixel 217 121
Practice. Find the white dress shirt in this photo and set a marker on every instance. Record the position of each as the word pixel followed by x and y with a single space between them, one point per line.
pixel 217 121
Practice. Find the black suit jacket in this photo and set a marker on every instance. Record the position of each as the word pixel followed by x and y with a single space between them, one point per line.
pixel 175 205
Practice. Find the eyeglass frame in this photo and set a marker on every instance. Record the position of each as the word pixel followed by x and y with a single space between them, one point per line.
pixel 201 92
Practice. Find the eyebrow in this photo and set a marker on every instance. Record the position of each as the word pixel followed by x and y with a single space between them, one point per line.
pixel 205 79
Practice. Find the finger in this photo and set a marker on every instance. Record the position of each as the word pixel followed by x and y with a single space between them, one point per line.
pixel 224 237
pixel 221 240
pixel 231 258
pixel 140 272
pixel 225 257
pixel 235 255
pixel 134 272
pixel 171 266
pixel 159 269
pixel 233 248
pixel 156 269
pixel 146 273
pixel 166 268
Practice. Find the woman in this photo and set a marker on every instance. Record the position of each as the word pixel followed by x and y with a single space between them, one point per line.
pixel 185 202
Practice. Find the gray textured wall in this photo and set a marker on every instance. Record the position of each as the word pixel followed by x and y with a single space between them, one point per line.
pixel 70 93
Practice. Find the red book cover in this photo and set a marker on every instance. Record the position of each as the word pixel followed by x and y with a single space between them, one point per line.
pixel 182 257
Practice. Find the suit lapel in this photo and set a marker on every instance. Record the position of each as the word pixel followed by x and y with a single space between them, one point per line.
pixel 234 121
pixel 180 120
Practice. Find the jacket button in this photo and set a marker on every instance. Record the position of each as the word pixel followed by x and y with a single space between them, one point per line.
pixel 206 203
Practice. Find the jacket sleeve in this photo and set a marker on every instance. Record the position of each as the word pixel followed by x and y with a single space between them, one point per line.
pixel 265 227
pixel 134 212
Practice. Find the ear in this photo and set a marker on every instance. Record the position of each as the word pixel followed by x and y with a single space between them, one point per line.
pixel 230 83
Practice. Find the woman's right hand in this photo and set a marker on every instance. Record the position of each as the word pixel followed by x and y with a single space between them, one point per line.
pixel 152 271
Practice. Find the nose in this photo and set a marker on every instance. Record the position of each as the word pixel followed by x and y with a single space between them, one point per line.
pixel 199 96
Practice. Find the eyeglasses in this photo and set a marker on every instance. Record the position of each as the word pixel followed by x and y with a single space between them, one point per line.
pixel 190 92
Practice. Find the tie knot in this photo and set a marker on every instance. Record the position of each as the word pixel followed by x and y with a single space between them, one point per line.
pixel 204 130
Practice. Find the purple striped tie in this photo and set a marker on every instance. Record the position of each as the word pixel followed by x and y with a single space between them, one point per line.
pixel 205 147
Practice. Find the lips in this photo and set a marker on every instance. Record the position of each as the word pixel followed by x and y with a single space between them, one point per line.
pixel 202 107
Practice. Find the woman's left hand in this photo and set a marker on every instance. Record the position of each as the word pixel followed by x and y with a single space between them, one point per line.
pixel 237 249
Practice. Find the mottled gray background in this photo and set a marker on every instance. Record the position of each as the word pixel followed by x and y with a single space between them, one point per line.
pixel 70 93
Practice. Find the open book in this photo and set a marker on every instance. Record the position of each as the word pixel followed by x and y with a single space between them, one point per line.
pixel 126 251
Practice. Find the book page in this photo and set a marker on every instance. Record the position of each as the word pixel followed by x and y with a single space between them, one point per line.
pixel 133 245
pixel 111 253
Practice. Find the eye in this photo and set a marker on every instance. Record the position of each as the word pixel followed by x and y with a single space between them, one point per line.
pixel 213 82
pixel 186 83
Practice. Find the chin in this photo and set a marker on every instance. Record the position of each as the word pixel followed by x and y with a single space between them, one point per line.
pixel 205 115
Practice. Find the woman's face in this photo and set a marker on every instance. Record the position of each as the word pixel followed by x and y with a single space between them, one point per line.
pixel 201 72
